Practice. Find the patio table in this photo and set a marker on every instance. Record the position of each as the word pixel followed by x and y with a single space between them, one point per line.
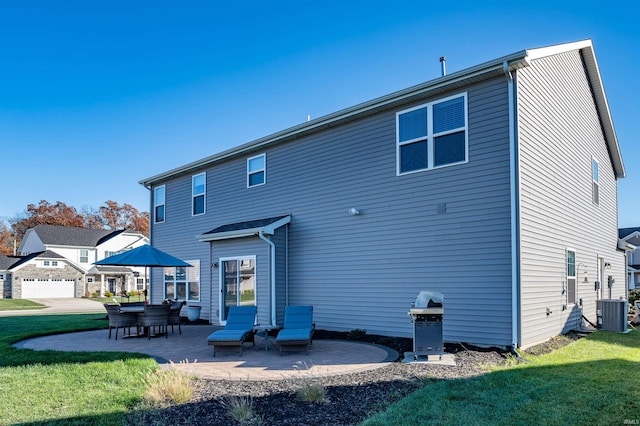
pixel 265 329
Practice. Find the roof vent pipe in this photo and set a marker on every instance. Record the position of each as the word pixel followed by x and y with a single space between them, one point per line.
pixel 443 65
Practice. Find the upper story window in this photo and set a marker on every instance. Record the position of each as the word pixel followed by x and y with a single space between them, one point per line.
pixel 198 191
pixel 108 253
pixel 84 256
pixel 595 188
pixel 432 135
pixel 158 204
pixel 256 170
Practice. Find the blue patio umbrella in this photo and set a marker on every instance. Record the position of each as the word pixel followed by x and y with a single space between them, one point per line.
pixel 143 256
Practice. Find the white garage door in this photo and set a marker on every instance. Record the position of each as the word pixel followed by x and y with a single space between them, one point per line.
pixel 39 289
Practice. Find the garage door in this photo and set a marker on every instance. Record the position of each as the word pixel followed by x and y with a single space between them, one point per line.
pixel 39 289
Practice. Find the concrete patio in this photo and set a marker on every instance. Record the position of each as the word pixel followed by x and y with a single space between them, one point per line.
pixel 190 353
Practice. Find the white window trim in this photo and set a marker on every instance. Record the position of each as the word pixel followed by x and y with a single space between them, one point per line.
pixel 595 181
pixel 431 136
pixel 221 279
pixel 155 204
pixel 175 283
pixel 264 170
pixel 194 195
pixel 567 276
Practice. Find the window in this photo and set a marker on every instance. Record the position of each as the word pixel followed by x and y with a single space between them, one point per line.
pixel 158 204
pixel 108 253
pixel 54 263
pixel 571 276
pixel 256 170
pixel 183 283
pixel 46 263
pixel 89 280
pixel 595 194
pixel 432 135
pixel 198 185
pixel 84 256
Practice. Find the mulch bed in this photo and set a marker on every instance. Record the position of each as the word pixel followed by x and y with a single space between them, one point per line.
pixel 349 398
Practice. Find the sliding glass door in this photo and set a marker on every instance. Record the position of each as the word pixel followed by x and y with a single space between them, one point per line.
pixel 238 281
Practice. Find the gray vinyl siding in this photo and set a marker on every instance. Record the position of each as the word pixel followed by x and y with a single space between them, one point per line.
pixel 364 271
pixel 559 132
pixel 242 247
pixel 280 239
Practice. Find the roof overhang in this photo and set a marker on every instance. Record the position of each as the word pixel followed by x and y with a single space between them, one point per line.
pixel 245 229
pixel 626 246
pixel 448 82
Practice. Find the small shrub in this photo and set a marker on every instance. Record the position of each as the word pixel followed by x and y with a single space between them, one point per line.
pixel 356 334
pixel 108 294
pixel 311 391
pixel 633 296
pixel 240 408
pixel 168 387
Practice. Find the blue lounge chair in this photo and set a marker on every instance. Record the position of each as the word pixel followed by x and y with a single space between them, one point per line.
pixel 298 328
pixel 239 329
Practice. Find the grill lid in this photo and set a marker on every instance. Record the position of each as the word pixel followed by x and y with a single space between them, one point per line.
pixel 428 299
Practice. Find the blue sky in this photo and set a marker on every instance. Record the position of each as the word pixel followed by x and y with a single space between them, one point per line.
pixel 96 95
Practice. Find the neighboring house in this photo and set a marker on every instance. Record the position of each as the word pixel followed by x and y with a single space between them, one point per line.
pixel 495 186
pixel 631 237
pixel 57 261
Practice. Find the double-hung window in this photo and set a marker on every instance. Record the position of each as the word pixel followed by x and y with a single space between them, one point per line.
pixel 198 185
pixel 432 135
pixel 256 170
pixel 84 256
pixel 571 276
pixel 595 187
pixel 158 204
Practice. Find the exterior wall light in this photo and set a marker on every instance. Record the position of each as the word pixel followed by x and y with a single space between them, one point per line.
pixel 354 211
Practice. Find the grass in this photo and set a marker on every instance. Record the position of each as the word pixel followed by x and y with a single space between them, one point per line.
pixel 594 380
pixel 18 304
pixel 55 387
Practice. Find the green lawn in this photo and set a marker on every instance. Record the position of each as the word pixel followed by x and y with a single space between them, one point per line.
pixel 17 304
pixel 55 387
pixel 595 380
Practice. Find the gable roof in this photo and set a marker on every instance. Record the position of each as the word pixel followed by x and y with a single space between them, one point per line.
pixel 624 233
pixel 7 262
pixel 461 78
pixel 73 236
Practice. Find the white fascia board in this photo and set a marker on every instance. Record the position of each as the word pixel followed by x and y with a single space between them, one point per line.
pixel 271 229
pixel 600 97
pixel 229 234
pixel 624 245
pixel 249 232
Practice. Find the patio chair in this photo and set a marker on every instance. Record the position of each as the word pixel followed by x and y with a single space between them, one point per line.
pixel 174 315
pixel 298 328
pixel 119 320
pixel 237 331
pixel 155 316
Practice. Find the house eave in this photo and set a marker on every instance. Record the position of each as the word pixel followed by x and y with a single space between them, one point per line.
pixel 269 229
pixel 451 81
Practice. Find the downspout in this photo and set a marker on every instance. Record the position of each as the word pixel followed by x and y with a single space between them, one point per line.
pixel 272 273
pixel 513 182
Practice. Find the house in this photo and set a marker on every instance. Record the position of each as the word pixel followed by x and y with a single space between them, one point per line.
pixel 495 186
pixel 631 238
pixel 57 261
